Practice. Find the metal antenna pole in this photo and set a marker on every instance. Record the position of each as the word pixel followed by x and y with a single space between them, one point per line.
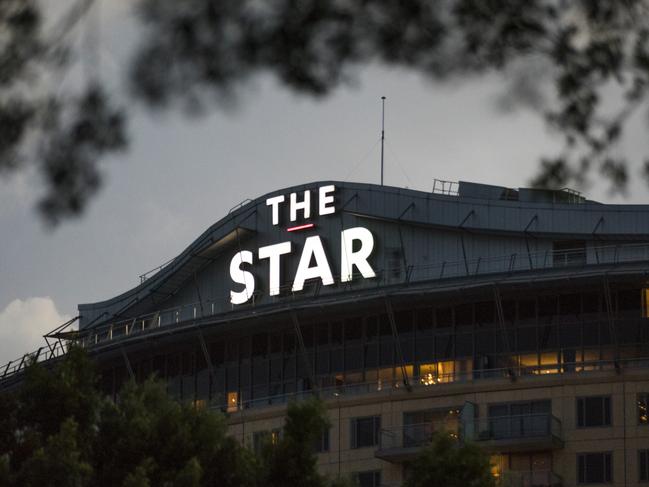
pixel 382 133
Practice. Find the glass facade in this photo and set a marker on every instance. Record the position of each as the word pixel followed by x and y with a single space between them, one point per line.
pixel 434 344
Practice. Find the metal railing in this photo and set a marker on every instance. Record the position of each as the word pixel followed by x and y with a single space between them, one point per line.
pixel 513 427
pixel 416 435
pixel 396 386
pixel 537 478
pixel 507 264
pixel 53 350
pixel 473 267
pixel 449 188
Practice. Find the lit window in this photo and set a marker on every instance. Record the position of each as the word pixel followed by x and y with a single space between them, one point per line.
pixel 233 402
pixel 549 363
pixel 643 408
pixel 439 372
pixel 645 302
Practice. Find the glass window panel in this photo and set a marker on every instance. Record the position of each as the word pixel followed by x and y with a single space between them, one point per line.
pixel 371 355
pixel 337 333
pixel 444 317
pixel 547 307
pixel 594 468
pixel 322 334
pixel 443 346
pixel 217 352
pixel 259 345
pixel 337 360
pixel 425 348
pixel 590 303
pixel 353 329
pixel 275 340
pixel 629 300
pixel 590 333
pixel 527 310
pixel 485 342
pixel 526 338
pixel 353 357
pixel 593 411
pixel 464 345
pixel 643 465
pixel 464 315
pixel 570 304
pixel 485 313
pixel 386 353
pixel 322 362
pixel 403 319
pixel 307 335
pixel 365 431
pixel 424 321
pixel 260 372
pixel 371 329
pixel 570 335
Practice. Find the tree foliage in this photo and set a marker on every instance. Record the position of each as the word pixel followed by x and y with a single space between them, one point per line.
pixel 446 463
pixel 59 430
pixel 62 133
pixel 582 64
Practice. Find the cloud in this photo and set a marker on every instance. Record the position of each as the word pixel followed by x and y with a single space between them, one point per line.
pixel 23 323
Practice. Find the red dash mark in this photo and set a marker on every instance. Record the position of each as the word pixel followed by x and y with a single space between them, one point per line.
pixel 300 227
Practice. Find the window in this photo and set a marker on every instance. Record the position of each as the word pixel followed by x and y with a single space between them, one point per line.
pixel 365 431
pixel 593 411
pixel 321 444
pixel 643 408
pixel 368 479
pixel 594 468
pixel 643 464
pixel 262 438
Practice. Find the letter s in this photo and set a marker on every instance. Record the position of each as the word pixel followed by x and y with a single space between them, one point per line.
pixel 241 277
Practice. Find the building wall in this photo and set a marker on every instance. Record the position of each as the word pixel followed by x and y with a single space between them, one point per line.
pixel 623 438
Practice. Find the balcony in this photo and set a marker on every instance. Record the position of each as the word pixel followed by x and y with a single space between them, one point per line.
pixel 539 478
pixel 402 443
pixel 516 433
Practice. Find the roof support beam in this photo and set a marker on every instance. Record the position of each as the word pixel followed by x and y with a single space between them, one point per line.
pixel 300 340
pixel 503 330
pixel 397 342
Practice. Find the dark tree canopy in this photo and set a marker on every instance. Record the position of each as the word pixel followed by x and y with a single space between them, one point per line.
pixel 563 58
pixel 447 463
pixel 58 429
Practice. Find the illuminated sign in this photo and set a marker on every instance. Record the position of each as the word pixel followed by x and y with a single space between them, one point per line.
pixel 312 251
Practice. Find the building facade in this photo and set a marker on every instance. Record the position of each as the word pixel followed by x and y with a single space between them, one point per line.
pixel 517 319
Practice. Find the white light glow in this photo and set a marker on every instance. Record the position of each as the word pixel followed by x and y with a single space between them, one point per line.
pixel 273 253
pixel 304 205
pixel 240 276
pixel 325 199
pixel 274 203
pixel 313 248
pixel 350 259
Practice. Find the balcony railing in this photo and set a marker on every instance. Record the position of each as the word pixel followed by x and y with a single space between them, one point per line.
pixel 402 443
pixel 539 478
pixel 520 432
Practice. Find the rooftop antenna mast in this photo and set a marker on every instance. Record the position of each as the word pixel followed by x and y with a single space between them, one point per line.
pixel 382 133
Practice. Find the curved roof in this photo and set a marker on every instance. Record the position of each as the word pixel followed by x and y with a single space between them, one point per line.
pixel 472 209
